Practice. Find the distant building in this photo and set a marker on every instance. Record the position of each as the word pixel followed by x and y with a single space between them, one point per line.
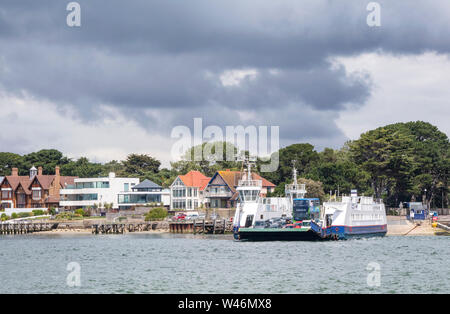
pixel 91 192
pixel 34 191
pixel 187 191
pixel 221 189
pixel 146 192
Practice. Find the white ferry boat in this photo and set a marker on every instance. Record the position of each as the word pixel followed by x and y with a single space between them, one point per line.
pixel 252 207
pixel 353 217
pixel 269 218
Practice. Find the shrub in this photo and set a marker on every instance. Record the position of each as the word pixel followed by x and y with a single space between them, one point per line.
pixel 13 216
pixel 24 215
pixel 156 213
pixel 38 212
pixel 81 212
pixel 4 217
pixel 52 211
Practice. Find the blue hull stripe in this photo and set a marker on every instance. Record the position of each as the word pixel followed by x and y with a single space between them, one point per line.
pixel 347 231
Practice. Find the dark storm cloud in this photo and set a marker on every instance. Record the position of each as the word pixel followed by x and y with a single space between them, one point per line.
pixel 167 57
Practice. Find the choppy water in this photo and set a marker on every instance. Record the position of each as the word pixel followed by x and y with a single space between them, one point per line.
pixel 164 263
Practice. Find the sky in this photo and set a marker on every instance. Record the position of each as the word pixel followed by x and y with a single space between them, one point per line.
pixel 134 70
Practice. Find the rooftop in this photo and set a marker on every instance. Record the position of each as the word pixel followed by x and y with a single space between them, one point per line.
pixel 195 178
pixel 147 184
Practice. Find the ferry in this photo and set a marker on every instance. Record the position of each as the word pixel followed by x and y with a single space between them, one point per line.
pixel 352 217
pixel 273 218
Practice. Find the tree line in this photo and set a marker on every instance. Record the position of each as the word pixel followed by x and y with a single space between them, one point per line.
pixel 399 162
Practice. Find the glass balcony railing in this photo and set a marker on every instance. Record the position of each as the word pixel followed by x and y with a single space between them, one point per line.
pixel 219 193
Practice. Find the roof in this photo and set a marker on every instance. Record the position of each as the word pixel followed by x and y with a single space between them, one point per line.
pixel 64 181
pixel 147 184
pixel 195 178
pixel 44 180
pixel 232 179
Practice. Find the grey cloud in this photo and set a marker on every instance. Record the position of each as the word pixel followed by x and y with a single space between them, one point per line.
pixel 155 55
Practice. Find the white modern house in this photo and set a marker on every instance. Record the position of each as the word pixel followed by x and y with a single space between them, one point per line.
pixel 90 192
pixel 146 192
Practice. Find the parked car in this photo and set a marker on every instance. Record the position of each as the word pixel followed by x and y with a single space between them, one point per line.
pixel 192 215
pixel 179 217
pixel 260 224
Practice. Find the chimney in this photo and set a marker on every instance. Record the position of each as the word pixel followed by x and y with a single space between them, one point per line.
pixel 15 172
pixel 57 181
pixel 39 171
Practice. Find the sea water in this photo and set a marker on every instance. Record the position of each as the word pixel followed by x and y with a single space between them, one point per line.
pixel 168 263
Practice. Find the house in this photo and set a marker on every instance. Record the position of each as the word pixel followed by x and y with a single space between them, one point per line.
pixel 146 192
pixel 187 191
pixel 221 189
pixel 96 192
pixel 34 191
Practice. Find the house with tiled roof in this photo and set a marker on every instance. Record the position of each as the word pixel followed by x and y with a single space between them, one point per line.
pixel 187 191
pixel 221 189
pixel 34 191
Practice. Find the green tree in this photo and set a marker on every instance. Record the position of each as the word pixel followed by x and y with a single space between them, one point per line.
pixel 304 156
pixel 48 159
pixel 140 165
pixel 210 159
pixel 82 168
pixel 9 161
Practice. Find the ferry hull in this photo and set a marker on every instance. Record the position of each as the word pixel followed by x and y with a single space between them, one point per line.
pixel 276 235
pixel 346 232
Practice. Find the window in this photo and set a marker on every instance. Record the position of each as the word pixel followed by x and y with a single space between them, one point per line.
pixel 37 194
pixel 6 194
pixel 126 187
pixel 179 193
pixel 195 192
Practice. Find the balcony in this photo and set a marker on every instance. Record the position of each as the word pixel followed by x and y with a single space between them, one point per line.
pixel 219 193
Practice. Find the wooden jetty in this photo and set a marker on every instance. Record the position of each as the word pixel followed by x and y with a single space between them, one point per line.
pixel 114 228
pixel 202 227
pixel 26 227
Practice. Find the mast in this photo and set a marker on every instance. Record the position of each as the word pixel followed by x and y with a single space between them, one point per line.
pixel 295 190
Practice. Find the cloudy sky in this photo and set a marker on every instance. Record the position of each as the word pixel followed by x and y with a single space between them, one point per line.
pixel 136 69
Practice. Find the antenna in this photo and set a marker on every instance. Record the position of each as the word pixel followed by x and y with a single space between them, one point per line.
pixel 294 172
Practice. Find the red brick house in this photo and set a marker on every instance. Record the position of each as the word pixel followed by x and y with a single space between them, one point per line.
pixel 34 191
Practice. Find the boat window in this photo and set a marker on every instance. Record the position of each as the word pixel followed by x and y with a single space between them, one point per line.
pixel 249 221
pixel 248 195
